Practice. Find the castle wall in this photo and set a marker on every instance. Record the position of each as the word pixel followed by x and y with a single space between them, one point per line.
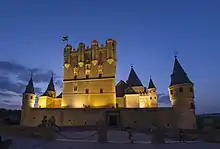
pixel 120 102
pixel 134 117
pixel 131 100
pixel 148 118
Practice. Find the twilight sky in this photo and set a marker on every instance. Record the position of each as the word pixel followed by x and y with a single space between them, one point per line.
pixel 147 32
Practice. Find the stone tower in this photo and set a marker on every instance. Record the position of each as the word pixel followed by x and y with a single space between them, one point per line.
pixel 181 94
pixel 152 93
pixel 28 101
pixel 89 75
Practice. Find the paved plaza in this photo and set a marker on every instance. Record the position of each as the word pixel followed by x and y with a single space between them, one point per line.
pixel 116 139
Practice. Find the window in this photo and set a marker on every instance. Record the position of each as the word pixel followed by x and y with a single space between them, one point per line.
pixel 85 123
pixel 75 88
pixel 191 89
pixel 100 75
pixel 171 92
pixel 101 90
pixel 33 117
pixel 31 97
pixel 150 91
pixel 155 97
pixel 87 76
pixel 180 89
pixel 87 91
pixel 135 122
pixel 116 105
pixel 150 97
pixel 75 77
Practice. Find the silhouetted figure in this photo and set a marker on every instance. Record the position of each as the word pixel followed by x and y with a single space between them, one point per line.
pixel 130 136
pixel 44 122
pixel 181 136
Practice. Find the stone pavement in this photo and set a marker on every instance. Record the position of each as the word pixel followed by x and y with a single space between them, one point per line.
pixel 117 139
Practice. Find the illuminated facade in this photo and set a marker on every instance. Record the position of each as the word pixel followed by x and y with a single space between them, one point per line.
pixel 90 94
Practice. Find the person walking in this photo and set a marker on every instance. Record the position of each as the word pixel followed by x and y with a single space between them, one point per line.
pixel 130 136
pixel 181 136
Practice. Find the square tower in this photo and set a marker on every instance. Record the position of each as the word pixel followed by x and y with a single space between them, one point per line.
pixel 89 75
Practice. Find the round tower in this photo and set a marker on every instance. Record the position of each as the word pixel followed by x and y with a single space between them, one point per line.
pixel 67 56
pixel 81 48
pixel 111 45
pixel 94 47
pixel 152 94
pixel 181 92
pixel 28 102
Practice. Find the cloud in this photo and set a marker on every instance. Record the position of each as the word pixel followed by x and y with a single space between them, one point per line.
pixel 14 78
pixel 164 100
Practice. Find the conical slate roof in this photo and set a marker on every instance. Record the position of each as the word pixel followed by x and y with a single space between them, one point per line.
pixel 133 79
pixel 30 87
pixel 50 86
pixel 151 84
pixel 179 76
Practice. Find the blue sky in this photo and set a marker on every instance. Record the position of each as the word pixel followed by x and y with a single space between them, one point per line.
pixel 147 34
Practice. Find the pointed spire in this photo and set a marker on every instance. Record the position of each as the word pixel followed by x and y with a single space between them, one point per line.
pixel 151 84
pixel 133 79
pixel 50 86
pixel 178 76
pixel 30 86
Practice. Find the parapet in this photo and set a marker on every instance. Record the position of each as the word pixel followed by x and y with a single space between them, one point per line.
pixel 82 46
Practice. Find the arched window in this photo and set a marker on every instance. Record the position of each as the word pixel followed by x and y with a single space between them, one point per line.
pixel 180 89
pixel 171 92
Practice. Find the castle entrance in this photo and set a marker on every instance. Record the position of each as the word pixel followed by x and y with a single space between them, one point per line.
pixel 113 118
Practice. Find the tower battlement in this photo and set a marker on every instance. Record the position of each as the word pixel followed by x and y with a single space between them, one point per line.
pixel 94 44
pixel 92 61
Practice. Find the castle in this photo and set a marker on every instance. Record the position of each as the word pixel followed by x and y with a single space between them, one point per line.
pixel 90 95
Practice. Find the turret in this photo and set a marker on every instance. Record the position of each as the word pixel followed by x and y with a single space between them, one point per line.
pixel 50 91
pixel 81 48
pixel 152 93
pixel 94 52
pixel 28 102
pixel 133 79
pixel 111 45
pixel 67 56
pixel 181 94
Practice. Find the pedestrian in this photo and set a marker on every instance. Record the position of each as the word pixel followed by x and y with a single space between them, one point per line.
pixel 130 137
pixel 181 136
